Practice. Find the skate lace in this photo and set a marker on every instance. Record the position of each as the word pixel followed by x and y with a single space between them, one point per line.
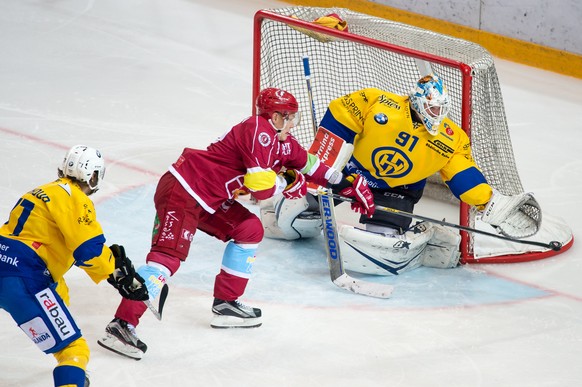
pixel 131 330
pixel 241 305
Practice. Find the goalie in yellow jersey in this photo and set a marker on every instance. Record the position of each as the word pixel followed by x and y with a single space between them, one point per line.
pixel 50 229
pixel 398 142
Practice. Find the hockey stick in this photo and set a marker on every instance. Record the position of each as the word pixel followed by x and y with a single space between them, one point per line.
pixel 336 270
pixel 553 245
pixel 153 309
pixel 161 300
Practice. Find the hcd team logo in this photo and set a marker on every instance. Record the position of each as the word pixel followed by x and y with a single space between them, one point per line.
pixel 391 162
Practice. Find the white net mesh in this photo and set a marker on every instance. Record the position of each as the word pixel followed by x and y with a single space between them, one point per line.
pixel 381 53
pixel 340 67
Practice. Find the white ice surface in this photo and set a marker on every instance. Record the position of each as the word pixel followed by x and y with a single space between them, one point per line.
pixel 142 79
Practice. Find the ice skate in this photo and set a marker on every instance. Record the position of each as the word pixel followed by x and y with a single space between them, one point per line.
pixel 120 337
pixel 233 314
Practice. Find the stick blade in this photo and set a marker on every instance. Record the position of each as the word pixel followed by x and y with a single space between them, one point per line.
pixel 157 306
pixel 365 288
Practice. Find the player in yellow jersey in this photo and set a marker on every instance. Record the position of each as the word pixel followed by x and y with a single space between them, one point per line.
pixel 50 229
pixel 398 142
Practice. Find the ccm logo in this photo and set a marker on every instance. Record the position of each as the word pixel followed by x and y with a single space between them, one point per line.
pixel 55 313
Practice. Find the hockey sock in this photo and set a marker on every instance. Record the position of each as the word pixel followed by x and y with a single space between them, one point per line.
pixel 69 376
pixel 237 263
pixel 238 259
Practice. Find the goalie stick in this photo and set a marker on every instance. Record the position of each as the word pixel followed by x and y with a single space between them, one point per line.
pixel 336 270
pixel 553 245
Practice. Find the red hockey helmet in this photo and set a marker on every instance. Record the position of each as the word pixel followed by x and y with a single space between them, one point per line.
pixel 273 100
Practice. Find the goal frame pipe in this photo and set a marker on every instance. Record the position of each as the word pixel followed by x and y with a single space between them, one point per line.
pixel 467 254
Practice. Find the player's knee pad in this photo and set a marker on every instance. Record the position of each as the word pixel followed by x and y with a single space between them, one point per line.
pixel 288 219
pixel 238 259
pixel 374 253
pixel 76 354
pixel 248 227
pixel 442 251
pixel 253 231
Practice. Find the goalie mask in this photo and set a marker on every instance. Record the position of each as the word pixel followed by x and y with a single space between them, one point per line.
pixel 273 100
pixel 431 101
pixel 85 165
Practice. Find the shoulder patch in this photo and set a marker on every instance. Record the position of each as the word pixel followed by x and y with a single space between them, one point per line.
pixel 66 187
pixel 264 139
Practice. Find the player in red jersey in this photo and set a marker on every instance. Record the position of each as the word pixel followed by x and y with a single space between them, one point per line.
pixel 259 156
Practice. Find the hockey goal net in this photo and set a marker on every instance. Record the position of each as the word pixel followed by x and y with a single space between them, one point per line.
pixel 392 56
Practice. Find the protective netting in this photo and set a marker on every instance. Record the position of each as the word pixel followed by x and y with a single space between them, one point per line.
pixel 340 67
pixel 390 56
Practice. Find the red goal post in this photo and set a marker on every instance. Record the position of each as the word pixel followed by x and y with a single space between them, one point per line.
pixel 391 56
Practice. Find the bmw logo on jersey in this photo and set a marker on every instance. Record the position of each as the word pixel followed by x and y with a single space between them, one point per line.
pixel 381 118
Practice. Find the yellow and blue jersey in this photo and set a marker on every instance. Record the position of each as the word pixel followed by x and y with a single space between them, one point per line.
pixel 51 228
pixel 392 150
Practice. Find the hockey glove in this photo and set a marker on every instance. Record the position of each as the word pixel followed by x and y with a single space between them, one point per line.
pixel 516 216
pixel 333 20
pixel 124 278
pixel 359 190
pixel 296 185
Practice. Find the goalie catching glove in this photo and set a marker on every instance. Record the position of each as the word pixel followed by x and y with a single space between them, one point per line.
pixel 516 216
pixel 124 278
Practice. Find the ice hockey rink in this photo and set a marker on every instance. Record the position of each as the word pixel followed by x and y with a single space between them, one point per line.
pixel 141 79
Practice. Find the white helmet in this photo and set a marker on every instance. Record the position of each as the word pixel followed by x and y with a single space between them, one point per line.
pixel 431 101
pixel 81 162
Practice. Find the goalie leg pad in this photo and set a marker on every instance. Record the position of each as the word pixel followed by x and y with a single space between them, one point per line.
pixel 442 251
pixel 286 219
pixel 373 253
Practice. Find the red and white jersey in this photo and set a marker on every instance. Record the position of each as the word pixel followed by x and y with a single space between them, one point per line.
pixel 250 155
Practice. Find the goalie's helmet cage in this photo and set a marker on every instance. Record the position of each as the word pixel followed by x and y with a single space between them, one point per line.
pixel 430 99
pixel 272 100
pixel 81 162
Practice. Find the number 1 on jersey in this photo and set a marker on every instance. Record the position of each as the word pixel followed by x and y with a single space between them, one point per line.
pixel 27 207
pixel 404 138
